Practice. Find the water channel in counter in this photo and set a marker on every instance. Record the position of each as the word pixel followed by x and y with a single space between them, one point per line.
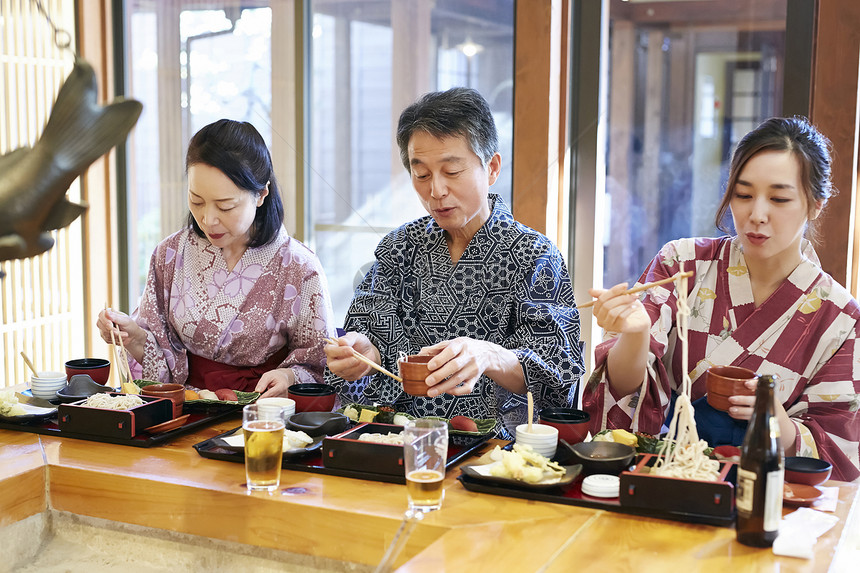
pixel 58 542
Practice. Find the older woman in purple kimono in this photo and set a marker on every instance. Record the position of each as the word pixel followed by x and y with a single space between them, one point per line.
pixel 758 300
pixel 231 301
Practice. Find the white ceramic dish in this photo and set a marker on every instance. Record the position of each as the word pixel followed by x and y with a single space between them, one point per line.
pixel 236 442
pixel 542 438
pixel 601 485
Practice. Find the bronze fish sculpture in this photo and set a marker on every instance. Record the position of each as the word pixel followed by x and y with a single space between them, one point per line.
pixel 34 181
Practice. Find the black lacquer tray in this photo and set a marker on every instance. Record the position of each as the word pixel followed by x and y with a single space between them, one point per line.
pixel 200 416
pixel 459 447
pixel 710 503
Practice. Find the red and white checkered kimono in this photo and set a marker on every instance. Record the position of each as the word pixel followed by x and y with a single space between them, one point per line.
pixel 806 333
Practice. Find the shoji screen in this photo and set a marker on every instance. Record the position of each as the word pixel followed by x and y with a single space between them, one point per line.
pixel 41 299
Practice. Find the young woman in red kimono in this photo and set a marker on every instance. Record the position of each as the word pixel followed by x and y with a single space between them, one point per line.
pixel 758 300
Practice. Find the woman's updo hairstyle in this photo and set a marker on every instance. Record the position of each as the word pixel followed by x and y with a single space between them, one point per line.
pixel 801 138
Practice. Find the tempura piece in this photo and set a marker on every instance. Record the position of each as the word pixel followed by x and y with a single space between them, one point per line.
pixel 524 464
pixel 294 440
pixel 9 405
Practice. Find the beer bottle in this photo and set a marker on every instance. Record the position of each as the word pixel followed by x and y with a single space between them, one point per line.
pixel 760 475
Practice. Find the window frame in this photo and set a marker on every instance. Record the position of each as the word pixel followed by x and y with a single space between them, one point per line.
pixel 564 202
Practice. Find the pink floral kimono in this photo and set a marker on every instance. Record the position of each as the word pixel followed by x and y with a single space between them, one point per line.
pixel 806 333
pixel 275 297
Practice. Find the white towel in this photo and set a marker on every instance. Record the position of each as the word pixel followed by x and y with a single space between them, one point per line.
pixel 799 531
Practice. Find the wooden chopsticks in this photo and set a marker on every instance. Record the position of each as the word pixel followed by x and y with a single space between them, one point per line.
pixel 361 357
pixel 646 286
pixel 121 359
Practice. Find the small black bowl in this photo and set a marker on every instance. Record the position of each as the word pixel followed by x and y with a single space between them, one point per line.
pixel 312 397
pixel 318 423
pixel 312 389
pixel 564 415
pixel 603 457
pixel 80 387
pixel 807 471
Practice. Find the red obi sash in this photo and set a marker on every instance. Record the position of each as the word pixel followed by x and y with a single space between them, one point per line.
pixel 211 375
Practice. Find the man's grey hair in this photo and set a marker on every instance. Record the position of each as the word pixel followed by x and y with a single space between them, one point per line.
pixel 457 112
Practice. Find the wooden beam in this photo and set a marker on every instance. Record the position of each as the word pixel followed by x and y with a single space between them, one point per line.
pixel 412 40
pixel 563 168
pixel 834 110
pixel 98 185
pixel 537 113
pixel 618 156
pixel 288 116
pixel 693 12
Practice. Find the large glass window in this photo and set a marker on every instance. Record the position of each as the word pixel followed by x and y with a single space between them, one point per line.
pixel 193 62
pixel 370 59
pixel 190 63
pixel 41 297
pixel 686 84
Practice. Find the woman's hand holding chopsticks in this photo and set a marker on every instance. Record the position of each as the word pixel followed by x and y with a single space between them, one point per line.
pixel 619 310
pixel 616 310
pixel 597 292
pixel 120 356
pixel 119 328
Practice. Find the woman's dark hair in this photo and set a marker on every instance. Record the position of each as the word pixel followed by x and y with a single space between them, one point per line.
pixel 237 149
pixel 805 142
pixel 457 112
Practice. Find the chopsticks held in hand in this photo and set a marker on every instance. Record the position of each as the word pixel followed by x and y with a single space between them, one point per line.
pixel 361 357
pixel 646 286
pixel 127 384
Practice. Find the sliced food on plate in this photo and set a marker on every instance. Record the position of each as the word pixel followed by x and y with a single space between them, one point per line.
pixel 470 426
pixel 463 423
pixel 379 414
pixel 643 443
pixel 220 396
pixel 386 414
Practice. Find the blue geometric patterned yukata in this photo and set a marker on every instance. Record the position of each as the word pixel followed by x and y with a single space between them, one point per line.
pixel 510 287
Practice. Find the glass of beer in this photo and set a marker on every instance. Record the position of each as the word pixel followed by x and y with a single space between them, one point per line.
pixel 425 452
pixel 263 427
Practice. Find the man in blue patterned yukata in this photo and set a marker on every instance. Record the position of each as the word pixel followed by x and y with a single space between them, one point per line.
pixel 489 298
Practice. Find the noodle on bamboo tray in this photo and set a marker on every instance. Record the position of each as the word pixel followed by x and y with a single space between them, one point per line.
pixel 682 454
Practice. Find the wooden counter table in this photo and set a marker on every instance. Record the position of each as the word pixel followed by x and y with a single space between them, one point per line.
pixel 171 487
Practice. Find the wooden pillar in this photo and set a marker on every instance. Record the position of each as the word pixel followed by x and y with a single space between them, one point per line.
pixel 648 187
pixel 619 152
pixel 171 150
pixel 287 111
pixel 98 184
pixel 410 66
pixel 834 110
pixel 538 114
pixel 589 35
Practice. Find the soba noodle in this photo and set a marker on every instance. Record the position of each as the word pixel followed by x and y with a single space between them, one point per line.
pixel 401 356
pixel 113 402
pixel 682 454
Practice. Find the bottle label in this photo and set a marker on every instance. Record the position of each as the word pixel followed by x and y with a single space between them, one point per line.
pixel 746 491
pixel 773 499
